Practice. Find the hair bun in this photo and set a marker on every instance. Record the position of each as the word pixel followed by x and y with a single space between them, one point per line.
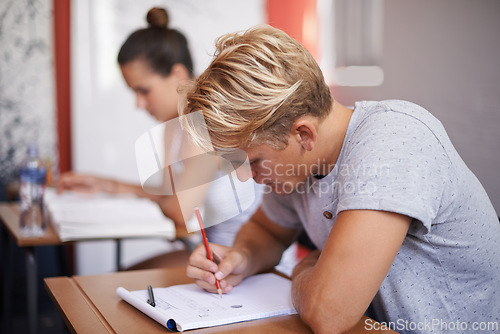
pixel 157 17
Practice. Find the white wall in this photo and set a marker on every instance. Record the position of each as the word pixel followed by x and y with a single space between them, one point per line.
pixel 444 55
pixel 105 122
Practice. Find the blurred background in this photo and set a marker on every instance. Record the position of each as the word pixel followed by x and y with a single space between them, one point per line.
pixel 60 84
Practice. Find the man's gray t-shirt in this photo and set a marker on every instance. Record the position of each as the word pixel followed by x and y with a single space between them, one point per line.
pixel 397 157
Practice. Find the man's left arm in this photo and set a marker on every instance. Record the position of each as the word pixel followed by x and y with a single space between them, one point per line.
pixel 331 292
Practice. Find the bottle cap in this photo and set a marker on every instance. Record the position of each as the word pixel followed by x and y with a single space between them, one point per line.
pixel 32 149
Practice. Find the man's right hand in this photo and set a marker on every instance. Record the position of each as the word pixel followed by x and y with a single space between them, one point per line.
pixel 229 269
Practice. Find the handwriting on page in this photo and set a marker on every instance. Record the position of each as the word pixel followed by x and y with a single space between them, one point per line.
pixel 202 303
pixel 163 304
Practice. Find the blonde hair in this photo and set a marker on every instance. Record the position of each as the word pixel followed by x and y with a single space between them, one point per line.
pixel 259 83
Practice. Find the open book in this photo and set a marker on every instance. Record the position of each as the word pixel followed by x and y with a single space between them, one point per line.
pixel 77 216
pixel 187 306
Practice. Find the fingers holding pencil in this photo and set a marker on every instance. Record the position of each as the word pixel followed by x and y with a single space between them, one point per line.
pixel 207 247
pixel 226 271
pixel 203 270
pixel 229 263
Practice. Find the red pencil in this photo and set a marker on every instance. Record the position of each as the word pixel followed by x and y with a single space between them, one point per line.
pixel 207 248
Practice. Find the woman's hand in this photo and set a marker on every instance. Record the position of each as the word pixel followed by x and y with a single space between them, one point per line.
pixel 229 267
pixel 85 183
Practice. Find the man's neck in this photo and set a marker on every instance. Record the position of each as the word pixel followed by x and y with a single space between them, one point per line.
pixel 331 135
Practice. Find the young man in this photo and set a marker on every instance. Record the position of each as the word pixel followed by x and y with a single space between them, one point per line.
pixel 407 233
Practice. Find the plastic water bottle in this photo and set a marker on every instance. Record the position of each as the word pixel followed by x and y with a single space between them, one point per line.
pixel 31 190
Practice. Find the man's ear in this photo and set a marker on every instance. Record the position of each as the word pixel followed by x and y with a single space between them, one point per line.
pixel 304 131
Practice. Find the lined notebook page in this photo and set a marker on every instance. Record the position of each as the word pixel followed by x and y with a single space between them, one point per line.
pixel 189 306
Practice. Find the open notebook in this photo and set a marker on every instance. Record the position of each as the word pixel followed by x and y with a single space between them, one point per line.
pixel 187 306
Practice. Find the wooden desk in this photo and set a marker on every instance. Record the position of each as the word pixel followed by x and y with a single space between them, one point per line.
pixel 89 304
pixel 9 214
pixel 9 217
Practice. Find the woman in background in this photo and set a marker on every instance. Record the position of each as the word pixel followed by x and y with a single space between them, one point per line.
pixel 154 62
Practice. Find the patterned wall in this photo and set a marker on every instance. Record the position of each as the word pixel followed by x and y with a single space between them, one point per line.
pixel 27 95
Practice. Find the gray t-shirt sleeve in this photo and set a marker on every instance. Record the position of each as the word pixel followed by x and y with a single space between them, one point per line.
pixel 393 162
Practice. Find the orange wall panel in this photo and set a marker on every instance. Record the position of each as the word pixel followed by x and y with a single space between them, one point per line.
pixel 298 18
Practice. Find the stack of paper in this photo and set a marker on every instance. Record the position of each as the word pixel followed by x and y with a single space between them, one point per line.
pixel 77 216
